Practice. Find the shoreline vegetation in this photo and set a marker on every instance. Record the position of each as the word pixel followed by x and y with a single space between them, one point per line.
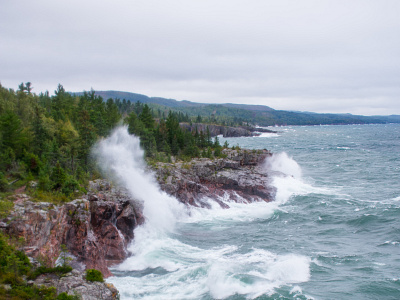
pixel 45 140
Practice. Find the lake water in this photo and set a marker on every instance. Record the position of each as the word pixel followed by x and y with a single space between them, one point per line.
pixel 333 231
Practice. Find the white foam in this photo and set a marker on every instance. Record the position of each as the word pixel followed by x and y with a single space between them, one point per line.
pixel 221 272
pixel 287 178
pixel 396 199
pixel 121 158
pixel 268 134
pixel 186 271
pixel 283 164
pixel 237 212
pixel 296 290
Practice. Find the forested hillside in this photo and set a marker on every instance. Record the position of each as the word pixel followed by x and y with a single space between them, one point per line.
pixel 47 139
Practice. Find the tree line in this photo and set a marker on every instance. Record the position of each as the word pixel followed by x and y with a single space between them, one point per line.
pixel 161 138
pixel 47 139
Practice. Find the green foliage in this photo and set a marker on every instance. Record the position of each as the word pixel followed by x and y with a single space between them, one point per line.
pixel 70 185
pixel 12 132
pixel 217 152
pixel 14 265
pixel 59 270
pixel 5 207
pixel 48 138
pixel 168 137
pixel 3 183
pixel 94 275
pixel 28 292
pixel 65 296
pixel 58 177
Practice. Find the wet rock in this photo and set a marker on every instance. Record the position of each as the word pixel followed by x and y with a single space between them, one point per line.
pixel 240 176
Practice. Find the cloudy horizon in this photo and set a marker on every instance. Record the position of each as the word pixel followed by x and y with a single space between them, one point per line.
pixel 311 55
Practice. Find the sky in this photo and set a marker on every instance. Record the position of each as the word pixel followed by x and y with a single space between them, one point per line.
pixel 305 55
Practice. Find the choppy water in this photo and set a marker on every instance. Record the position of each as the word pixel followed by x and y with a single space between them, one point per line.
pixel 332 233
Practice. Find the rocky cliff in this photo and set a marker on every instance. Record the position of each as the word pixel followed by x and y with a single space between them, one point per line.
pixel 240 176
pixel 96 228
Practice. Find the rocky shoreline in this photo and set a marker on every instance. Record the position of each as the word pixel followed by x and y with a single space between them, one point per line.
pixel 239 176
pixel 98 227
pixel 225 131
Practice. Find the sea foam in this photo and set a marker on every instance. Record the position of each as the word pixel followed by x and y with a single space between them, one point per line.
pixel 168 262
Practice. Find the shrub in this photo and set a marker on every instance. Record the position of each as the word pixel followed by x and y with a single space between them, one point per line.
pixel 3 183
pixel 57 270
pixel 65 296
pixel 94 275
pixel 70 186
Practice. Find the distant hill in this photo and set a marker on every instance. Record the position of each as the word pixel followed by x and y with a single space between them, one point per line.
pixel 256 114
pixel 145 99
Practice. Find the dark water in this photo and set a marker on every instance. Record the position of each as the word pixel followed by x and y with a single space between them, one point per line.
pixel 332 233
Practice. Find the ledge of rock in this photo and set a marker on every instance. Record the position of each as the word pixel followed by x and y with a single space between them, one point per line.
pixel 240 176
pixel 74 283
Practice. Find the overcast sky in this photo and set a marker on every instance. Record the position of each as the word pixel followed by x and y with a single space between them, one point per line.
pixel 308 55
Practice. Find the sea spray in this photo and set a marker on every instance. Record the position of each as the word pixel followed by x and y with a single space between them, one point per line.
pixel 282 163
pixel 120 157
pixel 288 179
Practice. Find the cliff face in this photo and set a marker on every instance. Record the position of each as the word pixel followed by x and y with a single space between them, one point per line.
pixel 96 229
pixel 239 176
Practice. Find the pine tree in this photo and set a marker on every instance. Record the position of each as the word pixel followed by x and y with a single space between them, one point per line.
pixel 146 117
pixel 12 133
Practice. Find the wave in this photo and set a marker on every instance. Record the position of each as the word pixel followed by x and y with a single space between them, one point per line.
pixel 395 199
pixel 121 158
pixel 178 253
pixel 287 178
pixel 219 272
pixel 267 134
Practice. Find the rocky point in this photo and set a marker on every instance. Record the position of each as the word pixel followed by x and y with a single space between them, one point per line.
pixel 240 175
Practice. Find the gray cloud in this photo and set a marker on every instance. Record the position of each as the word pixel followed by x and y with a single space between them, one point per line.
pixel 323 56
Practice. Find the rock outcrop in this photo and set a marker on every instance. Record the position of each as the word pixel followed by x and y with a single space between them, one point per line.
pixel 96 229
pixel 74 283
pixel 239 176
pixel 225 131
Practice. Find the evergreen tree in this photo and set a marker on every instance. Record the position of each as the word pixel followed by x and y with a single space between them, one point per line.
pixel 39 132
pixel 146 117
pixel 58 177
pixel 12 133
pixel 86 136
